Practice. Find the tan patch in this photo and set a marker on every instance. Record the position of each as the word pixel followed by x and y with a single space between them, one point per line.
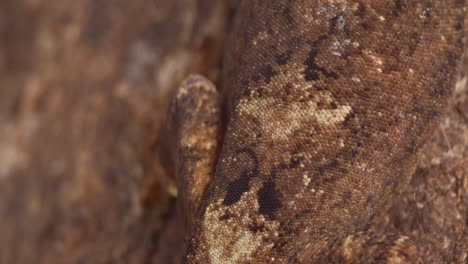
pixel 231 241
pixel 280 119
pixel 347 247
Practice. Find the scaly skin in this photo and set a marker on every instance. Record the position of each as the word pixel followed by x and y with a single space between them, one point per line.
pixel 327 104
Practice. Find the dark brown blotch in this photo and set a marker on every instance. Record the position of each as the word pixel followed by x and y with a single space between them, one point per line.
pixel 240 186
pixel 283 58
pixel 269 200
pixel 287 14
pixel 313 70
pixel 268 73
pixel 224 217
pixel 236 188
pixel 311 73
pixel 255 228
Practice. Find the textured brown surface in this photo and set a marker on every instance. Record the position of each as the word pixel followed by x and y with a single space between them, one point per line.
pixel 328 104
pixel 83 92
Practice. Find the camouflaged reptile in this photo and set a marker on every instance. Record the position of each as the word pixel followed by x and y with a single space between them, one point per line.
pixel 323 108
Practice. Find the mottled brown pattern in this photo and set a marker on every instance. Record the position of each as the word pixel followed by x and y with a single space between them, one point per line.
pixel 84 88
pixel 328 104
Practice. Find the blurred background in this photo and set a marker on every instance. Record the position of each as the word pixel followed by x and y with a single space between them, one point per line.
pixel 84 85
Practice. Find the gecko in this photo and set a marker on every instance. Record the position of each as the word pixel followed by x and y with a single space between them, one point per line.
pixel 323 108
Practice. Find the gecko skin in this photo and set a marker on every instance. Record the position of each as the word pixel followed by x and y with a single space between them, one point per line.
pixel 326 106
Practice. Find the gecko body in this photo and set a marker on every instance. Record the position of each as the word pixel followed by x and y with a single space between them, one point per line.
pixel 326 106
